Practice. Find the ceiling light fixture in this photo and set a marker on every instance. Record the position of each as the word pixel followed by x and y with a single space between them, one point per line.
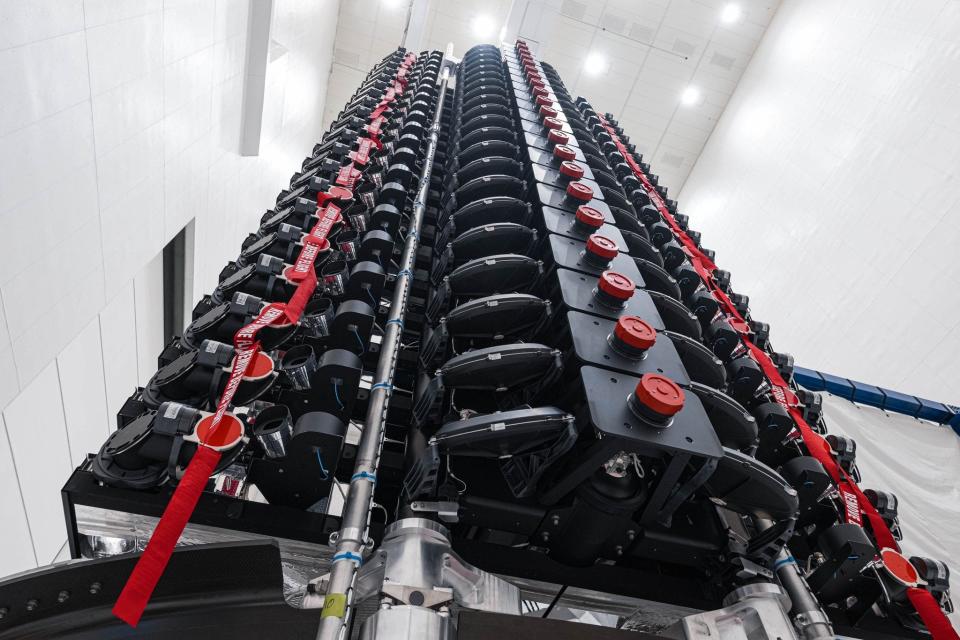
pixel 731 13
pixel 595 63
pixel 690 96
pixel 483 26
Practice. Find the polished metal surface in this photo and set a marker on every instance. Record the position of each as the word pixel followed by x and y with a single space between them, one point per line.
pixel 416 565
pixel 756 612
pixel 406 623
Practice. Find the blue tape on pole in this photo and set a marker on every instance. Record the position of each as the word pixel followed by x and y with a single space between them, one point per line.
pixel 348 556
pixel 382 385
pixel 404 272
pixel 364 475
pixel 396 321
pixel 783 561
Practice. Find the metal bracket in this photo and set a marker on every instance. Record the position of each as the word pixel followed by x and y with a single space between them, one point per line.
pixel 446 511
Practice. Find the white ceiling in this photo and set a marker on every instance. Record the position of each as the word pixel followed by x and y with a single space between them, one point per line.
pixel 654 50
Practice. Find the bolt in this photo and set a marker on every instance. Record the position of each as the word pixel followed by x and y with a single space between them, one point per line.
pixel 556 520
pixel 619 550
pixel 95 588
pixel 3 612
pixel 62 596
pixel 32 604
pixel 631 534
pixel 545 535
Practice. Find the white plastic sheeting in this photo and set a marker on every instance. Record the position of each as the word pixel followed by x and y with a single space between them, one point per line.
pixel 920 463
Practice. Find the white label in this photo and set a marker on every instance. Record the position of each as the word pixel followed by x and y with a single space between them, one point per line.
pixel 173 410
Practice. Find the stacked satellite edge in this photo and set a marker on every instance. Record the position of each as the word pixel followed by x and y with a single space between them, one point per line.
pixel 474 372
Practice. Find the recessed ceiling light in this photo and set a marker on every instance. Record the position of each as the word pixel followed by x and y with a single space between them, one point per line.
pixel 690 96
pixel 731 13
pixel 595 63
pixel 483 26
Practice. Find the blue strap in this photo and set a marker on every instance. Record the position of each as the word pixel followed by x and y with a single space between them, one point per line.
pixel 784 561
pixel 396 321
pixel 348 555
pixel 364 475
pixel 404 272
pixel 382 385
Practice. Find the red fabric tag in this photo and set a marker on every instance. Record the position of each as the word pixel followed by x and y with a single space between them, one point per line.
pixel 136 593
pixel 146 574
pixel 855 502
pixel 932 615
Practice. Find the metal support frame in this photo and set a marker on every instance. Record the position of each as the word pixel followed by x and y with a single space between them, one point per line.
pixel 352 539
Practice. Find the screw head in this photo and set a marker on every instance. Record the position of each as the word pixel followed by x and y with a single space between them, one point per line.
pixel 63 596
pixel 95 588
pixel 32 604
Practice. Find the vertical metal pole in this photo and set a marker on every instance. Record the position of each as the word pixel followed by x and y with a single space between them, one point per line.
pixel 806 612
pixel 352 537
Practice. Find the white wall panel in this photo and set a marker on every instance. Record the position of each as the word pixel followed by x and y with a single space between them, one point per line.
pixel 118 336
pixel 149 304
pixel 18 554
pixel 9 383
pixel 837 160
pixel 41 79
pixel 80 368
pixel 125 50
pixel 41 454
pixel 26 22
pixel 119 125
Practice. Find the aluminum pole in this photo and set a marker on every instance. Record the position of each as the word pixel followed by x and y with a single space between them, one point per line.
pixel 352 538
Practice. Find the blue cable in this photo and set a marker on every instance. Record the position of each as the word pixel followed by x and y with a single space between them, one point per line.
pixel 326 474
pixel 363 348
pixel 376 304
pixel 336 394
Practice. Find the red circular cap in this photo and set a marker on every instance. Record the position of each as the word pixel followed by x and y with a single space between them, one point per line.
pixel 562 151
pixel 616 284
pixel 571 169
pixel 589 216
pixel 901 569
pixel 261 365
pixel 559 137
pixel 602 246
pixel 544 99
pixel 580 191
pixel 634 332
pixel 659 393
pixel 228 433
pixel 340 193
pixel 548 112
pixel 552 123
